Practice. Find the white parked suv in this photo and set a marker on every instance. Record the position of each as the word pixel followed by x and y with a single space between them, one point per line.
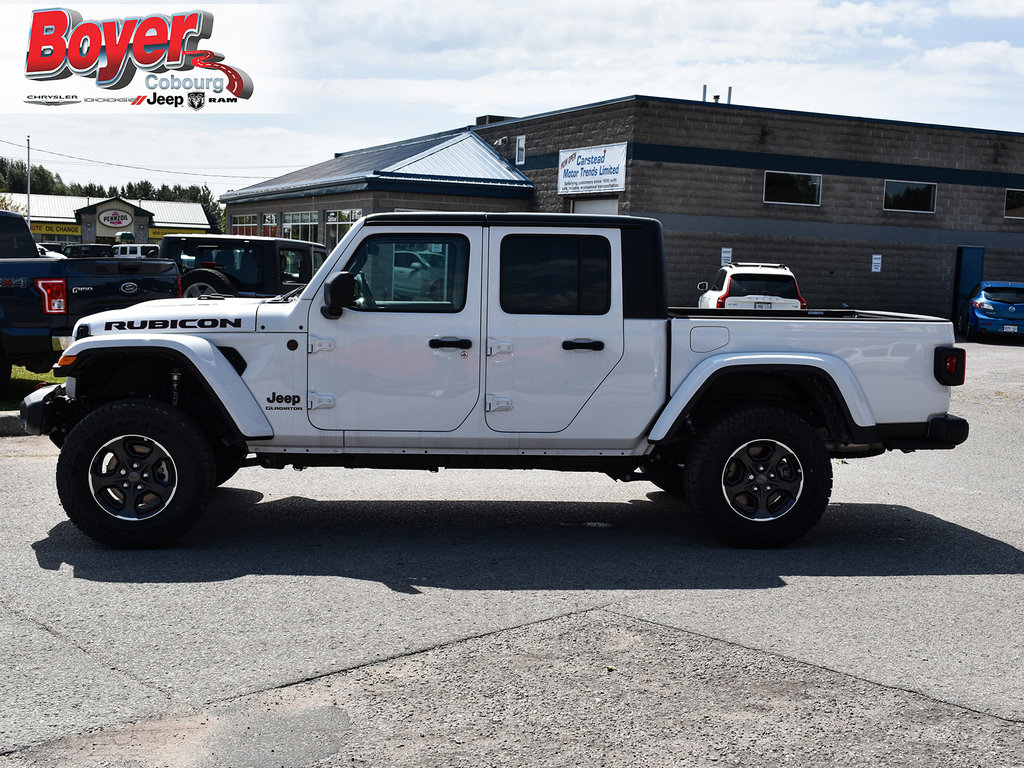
pixel 752 286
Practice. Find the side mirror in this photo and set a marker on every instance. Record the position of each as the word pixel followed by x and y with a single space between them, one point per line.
pixel 702 286
pixel 339 292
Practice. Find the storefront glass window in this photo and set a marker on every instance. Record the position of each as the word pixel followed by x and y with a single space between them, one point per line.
pixel 244 225
pixel 337 223
pixel 300 226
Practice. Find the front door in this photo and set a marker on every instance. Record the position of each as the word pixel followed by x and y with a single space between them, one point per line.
pixel 407 358
pixel 554 325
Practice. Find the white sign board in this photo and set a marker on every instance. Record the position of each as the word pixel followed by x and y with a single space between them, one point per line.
pixel 876 262
pixel 115 219
pixel 592 169
pixel 726 256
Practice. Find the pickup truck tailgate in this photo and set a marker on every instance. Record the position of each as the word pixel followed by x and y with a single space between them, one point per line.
pixel 96 285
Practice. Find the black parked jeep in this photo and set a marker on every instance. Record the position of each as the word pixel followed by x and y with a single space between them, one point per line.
pixel 241 265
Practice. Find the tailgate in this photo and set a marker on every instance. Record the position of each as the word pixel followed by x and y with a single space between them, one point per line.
pixel 96 285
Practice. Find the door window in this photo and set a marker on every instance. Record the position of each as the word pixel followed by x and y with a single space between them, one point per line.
pixel 411 273
pixel 555 275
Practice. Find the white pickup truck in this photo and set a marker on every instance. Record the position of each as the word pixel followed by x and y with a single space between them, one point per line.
pixel 489 341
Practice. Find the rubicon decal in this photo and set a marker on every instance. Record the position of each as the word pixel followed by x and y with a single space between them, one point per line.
pixel 61 44
pixel 163 325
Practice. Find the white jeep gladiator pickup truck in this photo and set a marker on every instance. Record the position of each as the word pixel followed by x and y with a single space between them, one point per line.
pixel 489 341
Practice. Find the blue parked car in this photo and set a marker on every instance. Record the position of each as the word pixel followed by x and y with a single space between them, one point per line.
pixel 993 308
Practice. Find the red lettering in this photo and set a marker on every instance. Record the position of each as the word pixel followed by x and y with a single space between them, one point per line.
pixel 60 44
pixel 47 46
pixel 184 27
pixel 116 44
pixel 152 39
pixel 84 47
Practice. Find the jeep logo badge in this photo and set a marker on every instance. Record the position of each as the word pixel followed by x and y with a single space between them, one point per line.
pixel 129 288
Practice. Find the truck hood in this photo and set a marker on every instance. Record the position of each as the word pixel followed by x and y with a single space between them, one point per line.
pixel 175 316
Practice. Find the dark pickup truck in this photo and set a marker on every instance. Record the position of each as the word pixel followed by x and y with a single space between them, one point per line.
pixel 41 298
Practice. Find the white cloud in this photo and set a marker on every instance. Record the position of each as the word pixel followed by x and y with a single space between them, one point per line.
pixel 989 9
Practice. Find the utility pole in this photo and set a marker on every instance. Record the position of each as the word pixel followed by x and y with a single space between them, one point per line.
pixel 28 179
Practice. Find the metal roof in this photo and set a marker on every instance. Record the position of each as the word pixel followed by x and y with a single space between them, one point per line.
pixel 61 209
pixel 456 157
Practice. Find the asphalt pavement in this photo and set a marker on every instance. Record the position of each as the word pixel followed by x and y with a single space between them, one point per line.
pixel 360 617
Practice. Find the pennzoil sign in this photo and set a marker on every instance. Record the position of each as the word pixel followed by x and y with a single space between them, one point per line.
pixel 115 219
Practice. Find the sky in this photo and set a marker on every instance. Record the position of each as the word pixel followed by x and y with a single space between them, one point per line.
pixel 334 76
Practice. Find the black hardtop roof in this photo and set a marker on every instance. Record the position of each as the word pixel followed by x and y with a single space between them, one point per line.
pixel 469 218
pixel 240 238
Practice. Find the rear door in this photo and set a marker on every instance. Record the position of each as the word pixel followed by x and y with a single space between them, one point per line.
pixel 554 324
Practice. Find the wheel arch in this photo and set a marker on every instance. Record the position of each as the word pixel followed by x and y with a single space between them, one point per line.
pixel 210 385
pixel 822 390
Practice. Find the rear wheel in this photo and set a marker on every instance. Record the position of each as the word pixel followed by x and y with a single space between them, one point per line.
pixel 202 282
pixel 760 477
pixel 135 473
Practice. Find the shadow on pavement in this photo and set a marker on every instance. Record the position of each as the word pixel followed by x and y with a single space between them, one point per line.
pixel 496 545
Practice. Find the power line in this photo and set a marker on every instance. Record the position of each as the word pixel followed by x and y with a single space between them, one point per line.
pixel 143 168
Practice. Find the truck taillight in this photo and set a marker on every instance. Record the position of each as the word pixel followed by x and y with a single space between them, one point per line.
pixel 55 295
pixel 950 366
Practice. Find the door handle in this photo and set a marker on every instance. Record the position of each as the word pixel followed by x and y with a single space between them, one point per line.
pixel 595 346
pixel 450 343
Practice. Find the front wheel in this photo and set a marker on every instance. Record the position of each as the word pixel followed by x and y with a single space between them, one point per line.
pixel 135 473
pixel 760 477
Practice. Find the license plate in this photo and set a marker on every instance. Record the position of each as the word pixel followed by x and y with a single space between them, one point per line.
pixel 1009 329
pixel 762 305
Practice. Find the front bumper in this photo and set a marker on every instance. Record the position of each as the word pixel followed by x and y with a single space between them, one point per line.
pixel 40 409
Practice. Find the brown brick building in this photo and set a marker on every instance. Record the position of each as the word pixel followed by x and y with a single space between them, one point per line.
pixel 872 213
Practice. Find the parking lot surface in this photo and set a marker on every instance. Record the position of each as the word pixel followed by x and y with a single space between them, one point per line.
pixel 360 617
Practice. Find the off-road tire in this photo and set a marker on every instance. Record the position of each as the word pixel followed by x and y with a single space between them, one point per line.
pixel 135 474
pixel 759 477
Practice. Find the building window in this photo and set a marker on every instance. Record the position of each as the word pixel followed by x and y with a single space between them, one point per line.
pixel 411 273
pixel 269 225
pixel 300 226
pixel 520 150
pixel 244 225
pixel 338 223
pixel 1014 204
pixel 913 196
pixel 555 275
pixel 792 188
